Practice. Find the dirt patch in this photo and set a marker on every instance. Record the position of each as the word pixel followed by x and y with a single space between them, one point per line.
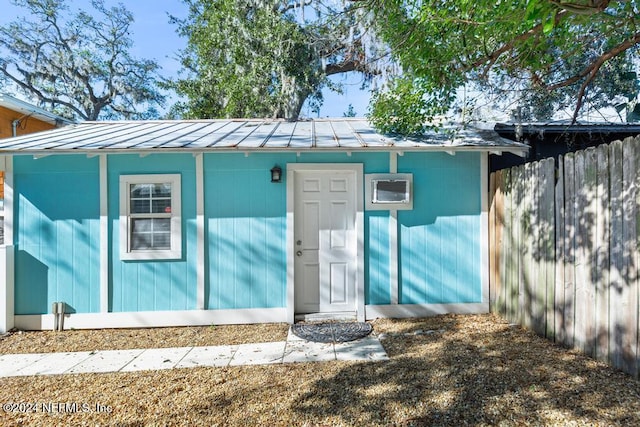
pixel 447 370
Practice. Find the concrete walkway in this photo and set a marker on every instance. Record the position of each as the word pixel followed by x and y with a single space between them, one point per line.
pixel 293 350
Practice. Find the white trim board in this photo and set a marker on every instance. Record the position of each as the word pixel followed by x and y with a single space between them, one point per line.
pixel 7 288
pixel 8 200
pixel 146 319
pixel 104 234
pixel 200 232
pixel 403 311
pixel 7 250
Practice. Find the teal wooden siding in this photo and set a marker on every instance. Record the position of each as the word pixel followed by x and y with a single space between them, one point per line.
pixel 246 231
pixel 378 275
pixel 440 238
pixel 56 233
pixel 153 285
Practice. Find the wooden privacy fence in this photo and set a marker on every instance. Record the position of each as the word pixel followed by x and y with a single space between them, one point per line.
pixel 563 249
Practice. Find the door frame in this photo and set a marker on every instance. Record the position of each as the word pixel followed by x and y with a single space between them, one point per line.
pixel 292 170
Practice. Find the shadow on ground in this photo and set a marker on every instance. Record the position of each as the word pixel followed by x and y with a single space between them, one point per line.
pixel 446 372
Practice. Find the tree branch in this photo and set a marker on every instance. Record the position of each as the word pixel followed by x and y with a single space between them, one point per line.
pixel 591 71
pixel 41 96
pixel 491 59
pixel 294 5
pixel 595 65
pixel 74 63
pixel 581 92
pixel 596 6
pixel 345 67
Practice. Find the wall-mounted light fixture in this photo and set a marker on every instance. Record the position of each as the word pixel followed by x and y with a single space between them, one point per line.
pixel 276 174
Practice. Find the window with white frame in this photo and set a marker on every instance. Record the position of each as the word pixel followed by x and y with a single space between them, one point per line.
pixel 150 223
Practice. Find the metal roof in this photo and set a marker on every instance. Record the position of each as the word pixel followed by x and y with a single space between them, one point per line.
pixel 246 135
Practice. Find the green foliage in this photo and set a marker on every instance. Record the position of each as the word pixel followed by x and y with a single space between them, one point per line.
pixel 242 58
pixel 262 58
pixel 407 107
pixel 351 112
pixel 546 54
pixel 78 65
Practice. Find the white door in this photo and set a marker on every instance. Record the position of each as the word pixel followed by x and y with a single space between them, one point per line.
pixel 325 241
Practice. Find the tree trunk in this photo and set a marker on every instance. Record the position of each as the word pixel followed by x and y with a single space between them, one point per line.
pixel 292 99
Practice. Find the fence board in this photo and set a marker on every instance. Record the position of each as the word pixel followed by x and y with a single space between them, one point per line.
pixel 547 243
pixel 570 232
pixel 634 170
pixel 603 207
pixel 616 280
pixel 511 290
pixel 492 248
pixel 629 235
pixel 580 248
pixel 498 233
pixel 519 209
pixel 558 293
pixel 537 273
pixel 493 269
pixel 586 271
pixel 527 240
pixel 590 221
pixel 538 254
pixel 508 234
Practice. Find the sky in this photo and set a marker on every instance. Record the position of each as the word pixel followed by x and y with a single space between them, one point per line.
pixel 155 38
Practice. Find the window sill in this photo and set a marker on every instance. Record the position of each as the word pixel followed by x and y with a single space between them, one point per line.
pixel 151 255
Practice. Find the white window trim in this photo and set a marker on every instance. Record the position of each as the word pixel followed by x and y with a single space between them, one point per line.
pixel 176 218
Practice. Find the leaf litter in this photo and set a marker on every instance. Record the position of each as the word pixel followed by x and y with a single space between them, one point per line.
pixel 445 370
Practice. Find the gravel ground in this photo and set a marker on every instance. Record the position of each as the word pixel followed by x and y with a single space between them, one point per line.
pixel 446 370
pixel 123 339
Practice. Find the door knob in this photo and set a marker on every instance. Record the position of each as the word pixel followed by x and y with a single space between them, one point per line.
pixel 299 253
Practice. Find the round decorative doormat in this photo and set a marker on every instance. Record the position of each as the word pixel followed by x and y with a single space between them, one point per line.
pixel 331 332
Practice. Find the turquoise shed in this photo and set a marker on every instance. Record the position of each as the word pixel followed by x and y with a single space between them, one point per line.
pixel 167 223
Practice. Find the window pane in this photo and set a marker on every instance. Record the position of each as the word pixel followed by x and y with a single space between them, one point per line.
pixel 141 233
pixel 142 225
pixel 150 233
pixel 140 206
pixel 140 190
pixel 161 206
pixel 141 241
pixel 162 241
pixel 150 198
pixel 161 224
pixel 162 190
